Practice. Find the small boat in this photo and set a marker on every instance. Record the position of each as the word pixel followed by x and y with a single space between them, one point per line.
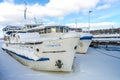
pixel 47 48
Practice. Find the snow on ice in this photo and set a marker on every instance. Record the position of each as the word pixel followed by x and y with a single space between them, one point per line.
pixel 97 64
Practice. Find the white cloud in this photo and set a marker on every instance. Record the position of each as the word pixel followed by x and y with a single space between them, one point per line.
pixel 13 13
pixel 2 19
pixel 101 24
pixel 70 6
pixel 9 1
pixel 105 6
pixel 104 24
pixel 9 12
pixel 110 1
pixel 94 26
pixel 104 16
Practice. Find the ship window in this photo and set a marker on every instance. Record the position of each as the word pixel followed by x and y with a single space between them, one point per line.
pixel 61 29
pixel 37 50
pixel 58 29
pixel 13 35
pixel 48 30
pixel 53 30
pixel 41 31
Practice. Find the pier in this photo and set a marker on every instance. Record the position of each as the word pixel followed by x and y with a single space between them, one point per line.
pixel 106 39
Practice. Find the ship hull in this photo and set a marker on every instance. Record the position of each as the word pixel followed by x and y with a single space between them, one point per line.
pixel 84 42
pixel 53 55
pixel 83 46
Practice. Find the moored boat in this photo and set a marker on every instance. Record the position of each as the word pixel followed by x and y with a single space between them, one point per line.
pixel 85 39
pixel 51 48
pixel 84 42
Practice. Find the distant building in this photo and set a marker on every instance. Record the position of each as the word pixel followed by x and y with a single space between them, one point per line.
pixel 76 29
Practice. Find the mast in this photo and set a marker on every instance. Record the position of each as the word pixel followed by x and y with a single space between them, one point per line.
pixel 25 10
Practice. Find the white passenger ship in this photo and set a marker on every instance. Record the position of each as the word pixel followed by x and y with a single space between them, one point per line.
pixel 84 40
pixel 52 49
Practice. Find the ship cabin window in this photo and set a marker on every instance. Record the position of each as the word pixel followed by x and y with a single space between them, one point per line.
pixel 64 29
pixel 57 29
pixel 61 29
pixel 9 32
pixel 42 31
pixel 54 29
pixel 48 30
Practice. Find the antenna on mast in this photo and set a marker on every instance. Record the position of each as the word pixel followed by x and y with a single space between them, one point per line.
pixel 76 22
pixel 25 10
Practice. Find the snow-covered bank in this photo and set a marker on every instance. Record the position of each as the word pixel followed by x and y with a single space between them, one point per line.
pixel 91 66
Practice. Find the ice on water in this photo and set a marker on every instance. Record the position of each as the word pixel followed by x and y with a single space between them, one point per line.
pixel 91 66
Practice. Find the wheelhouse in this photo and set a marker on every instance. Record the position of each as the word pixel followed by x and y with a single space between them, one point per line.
pixel 51 29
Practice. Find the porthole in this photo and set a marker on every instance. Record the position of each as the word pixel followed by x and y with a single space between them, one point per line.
pixel 75 47
pixel 37 50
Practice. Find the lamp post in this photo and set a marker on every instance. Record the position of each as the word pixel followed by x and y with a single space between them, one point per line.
pixel 76 22
pixel 89 21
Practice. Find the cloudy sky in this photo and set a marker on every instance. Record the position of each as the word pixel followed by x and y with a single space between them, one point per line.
pixel 104 12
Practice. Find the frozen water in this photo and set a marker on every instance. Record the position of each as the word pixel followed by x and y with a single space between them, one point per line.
pixel 95 65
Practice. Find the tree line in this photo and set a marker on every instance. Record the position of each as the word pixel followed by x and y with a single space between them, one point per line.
pixel 106 31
